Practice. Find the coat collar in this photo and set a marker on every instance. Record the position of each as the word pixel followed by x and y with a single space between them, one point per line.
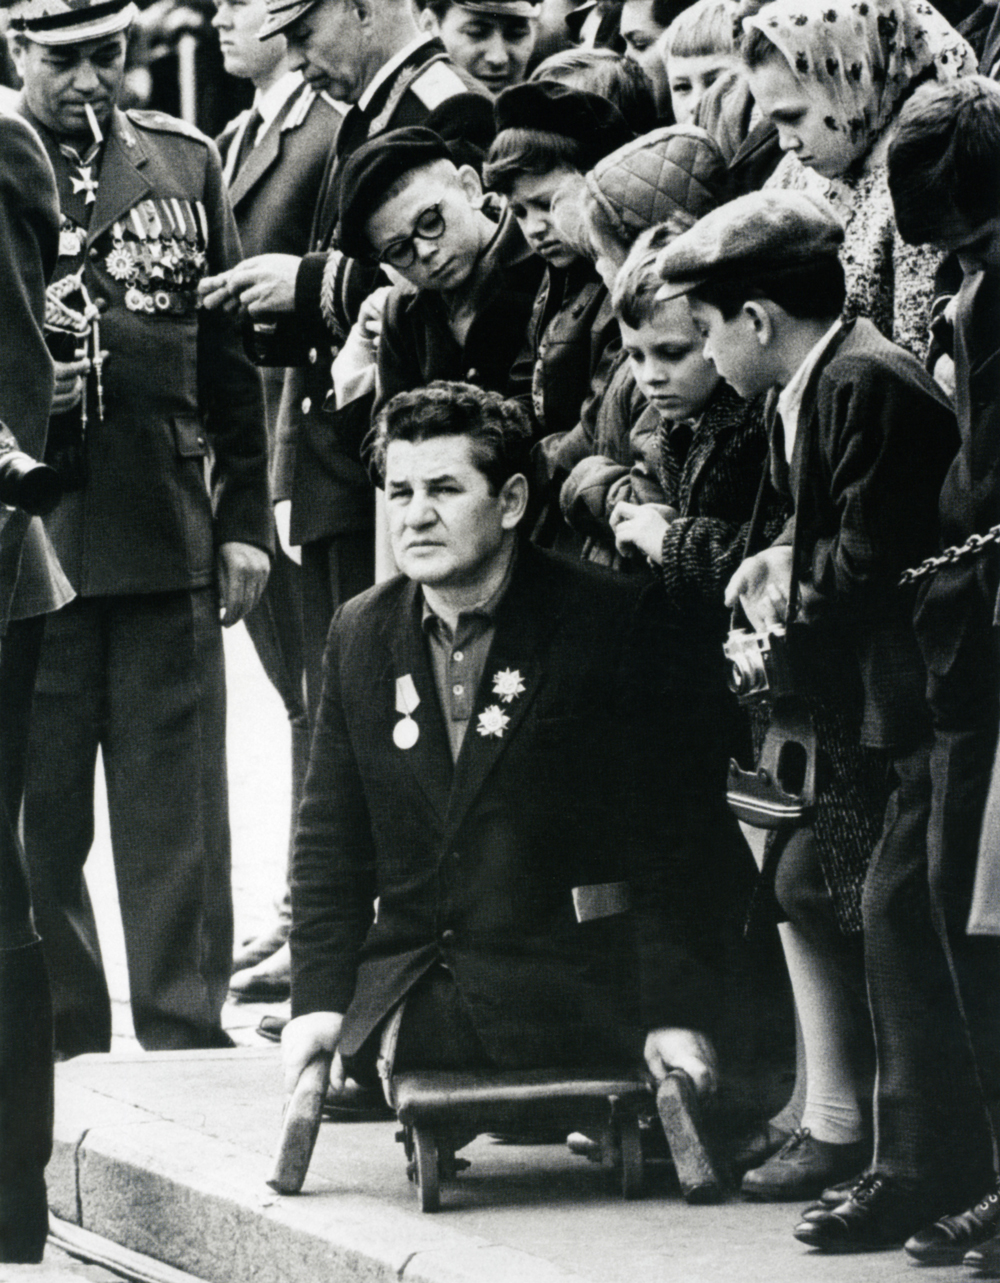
pixel 121 182
pixel 521 629
pixel 265 154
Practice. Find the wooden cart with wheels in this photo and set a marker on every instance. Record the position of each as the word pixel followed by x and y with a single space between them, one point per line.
pixel 441 1111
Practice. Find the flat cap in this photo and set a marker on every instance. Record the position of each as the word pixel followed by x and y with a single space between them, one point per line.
pixel 281 14
pixel 762 232
pixel 64 22
pixel 589 120
pixel 371 171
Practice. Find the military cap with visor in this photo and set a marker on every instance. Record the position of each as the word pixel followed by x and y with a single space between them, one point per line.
pixel 65 22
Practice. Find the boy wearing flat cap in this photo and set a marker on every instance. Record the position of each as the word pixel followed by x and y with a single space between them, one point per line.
pixel 470 280
pixel 548 135
pixel 490 39
pixel 861 438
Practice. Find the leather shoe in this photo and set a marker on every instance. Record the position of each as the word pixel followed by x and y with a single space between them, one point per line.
pixel 985 1259
pixel 269 981
pixel 257 948
pixel 833 1196
pixel 880 1213
pixel 757 1147
pixel 948 1239
pixel 803 1168
pixel 271 1027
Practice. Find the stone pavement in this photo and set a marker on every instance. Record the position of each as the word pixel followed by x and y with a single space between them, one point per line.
pixel 168 1154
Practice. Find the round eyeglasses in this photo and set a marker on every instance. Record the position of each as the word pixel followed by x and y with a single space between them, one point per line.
pixel 402 253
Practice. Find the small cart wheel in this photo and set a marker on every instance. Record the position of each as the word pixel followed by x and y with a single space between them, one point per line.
pixel 428 1185
pixel 631 1156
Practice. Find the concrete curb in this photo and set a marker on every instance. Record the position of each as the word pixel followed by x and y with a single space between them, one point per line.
pixel 200 1205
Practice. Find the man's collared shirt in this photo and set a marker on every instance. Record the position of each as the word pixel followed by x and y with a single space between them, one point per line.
pixel 790 399
pixel 389 68
pixel 271 101
pixel 458 658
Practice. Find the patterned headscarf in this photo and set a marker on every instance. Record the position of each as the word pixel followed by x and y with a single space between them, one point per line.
pixel 862 55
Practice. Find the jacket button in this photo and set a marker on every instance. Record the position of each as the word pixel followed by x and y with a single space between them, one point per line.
pixel 447 937
pixel 307 404
pixel 456 856
pixel 313 356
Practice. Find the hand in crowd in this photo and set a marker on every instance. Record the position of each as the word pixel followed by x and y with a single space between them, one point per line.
pixel 369 322
pixel 761 585
pixel 283 527
pixel 640 527
pixel 261 285
pixel 69 384
pixel 686 1049
pixel 243 570
pixel 305 1038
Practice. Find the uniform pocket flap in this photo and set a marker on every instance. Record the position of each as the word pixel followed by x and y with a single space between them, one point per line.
pixel 189 436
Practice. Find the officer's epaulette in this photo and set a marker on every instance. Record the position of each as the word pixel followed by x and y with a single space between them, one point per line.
pixel 301 107
pixel 160 122
pixel 438 82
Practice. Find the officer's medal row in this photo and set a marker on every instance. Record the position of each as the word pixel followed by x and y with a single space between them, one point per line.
pixel 157 252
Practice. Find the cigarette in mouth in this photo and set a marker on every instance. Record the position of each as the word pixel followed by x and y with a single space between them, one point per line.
pixel 95 128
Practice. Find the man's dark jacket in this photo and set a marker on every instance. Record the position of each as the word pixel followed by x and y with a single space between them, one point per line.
pixel 875 439
pixel 474 864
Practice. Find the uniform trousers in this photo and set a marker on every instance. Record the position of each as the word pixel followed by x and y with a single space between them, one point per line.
pixel 935 990
pixel 333 571
pixel 141 678
pixel 275 628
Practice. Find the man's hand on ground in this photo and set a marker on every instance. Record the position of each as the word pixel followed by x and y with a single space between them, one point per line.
pixel 305 1038
pixel 263 284
pixel 686 1049
pixel 243 569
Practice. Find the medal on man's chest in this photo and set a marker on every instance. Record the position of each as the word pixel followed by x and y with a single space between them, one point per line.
pixel 406 733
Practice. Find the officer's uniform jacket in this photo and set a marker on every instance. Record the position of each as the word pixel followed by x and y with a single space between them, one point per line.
pixel 178 388
pixel 317 464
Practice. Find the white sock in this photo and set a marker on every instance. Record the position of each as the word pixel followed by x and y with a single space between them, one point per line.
pixel 831 1111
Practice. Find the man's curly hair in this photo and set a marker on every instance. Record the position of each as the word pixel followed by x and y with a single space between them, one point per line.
pixel 499 431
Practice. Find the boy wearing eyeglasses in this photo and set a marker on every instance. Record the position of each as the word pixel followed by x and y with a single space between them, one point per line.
pixel 468 277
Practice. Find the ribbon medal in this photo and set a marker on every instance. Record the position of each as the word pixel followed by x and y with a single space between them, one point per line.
pixel 406 733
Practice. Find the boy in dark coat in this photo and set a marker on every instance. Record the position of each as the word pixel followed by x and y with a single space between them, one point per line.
pixel 861 441
pixel 471 278
pixel 548 135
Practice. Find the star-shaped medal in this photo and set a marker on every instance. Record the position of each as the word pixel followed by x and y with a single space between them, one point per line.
pixel 492 721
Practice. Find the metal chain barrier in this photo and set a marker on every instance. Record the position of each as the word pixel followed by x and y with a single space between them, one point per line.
pixel 972 547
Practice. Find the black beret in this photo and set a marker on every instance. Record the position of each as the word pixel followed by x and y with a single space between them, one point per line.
pixel 589 120
pixel 369 174
pixel 465 122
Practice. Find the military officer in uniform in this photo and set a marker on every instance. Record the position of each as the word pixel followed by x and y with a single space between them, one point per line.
pixel 158 433
pixel 372 56
pixel 273 159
